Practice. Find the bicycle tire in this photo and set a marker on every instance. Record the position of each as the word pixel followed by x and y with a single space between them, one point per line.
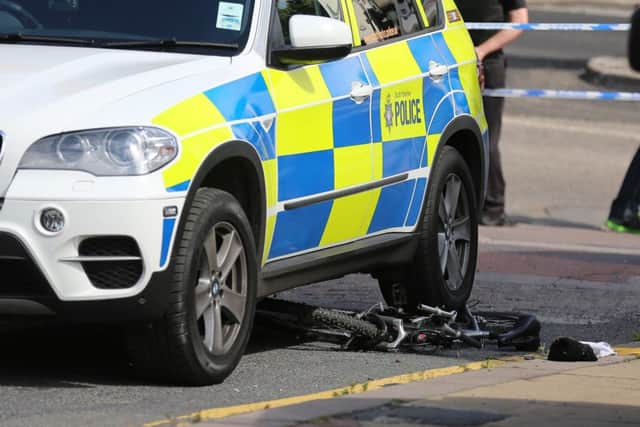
pixel 519 330
pixel 334 319
pixel 497 322
pixel 470 341
pixel 311 315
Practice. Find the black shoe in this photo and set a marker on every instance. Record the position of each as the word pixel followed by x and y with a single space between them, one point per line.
pixel 628 222
pixel 622 227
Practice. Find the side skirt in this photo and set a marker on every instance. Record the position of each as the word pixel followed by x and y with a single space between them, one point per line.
pixel 364 256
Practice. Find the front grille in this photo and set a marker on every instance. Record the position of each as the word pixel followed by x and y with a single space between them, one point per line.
pixel 110 274
pixel 113 275
pixel 20 276
pixel 109 246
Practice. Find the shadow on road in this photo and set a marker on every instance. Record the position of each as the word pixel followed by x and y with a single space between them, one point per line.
pixel 468 411
pixel 552 222
pixel 72 356
pixel 62 356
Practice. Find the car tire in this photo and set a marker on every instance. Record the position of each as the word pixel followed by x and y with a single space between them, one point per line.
pixel 204 333
pixel 443 268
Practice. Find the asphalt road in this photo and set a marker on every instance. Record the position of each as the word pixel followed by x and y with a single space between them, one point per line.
pixel 563 161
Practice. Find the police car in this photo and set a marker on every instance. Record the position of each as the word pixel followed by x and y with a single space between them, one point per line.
pixel 164 164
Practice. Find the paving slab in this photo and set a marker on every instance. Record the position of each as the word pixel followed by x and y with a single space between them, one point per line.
pixel 299 413
pixel 626 371
pixel 561 238
pixel 562 388
pixel 530 392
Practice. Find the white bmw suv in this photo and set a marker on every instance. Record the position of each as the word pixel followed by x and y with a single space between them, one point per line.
pixel 165 164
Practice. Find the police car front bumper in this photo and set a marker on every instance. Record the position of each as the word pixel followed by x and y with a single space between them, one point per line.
pixel 110 261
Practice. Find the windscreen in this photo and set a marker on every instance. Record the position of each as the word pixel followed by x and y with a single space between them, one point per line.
pixel 205 21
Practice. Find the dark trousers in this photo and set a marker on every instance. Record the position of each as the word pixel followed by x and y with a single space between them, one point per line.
pixel 624 209
pixel 494 78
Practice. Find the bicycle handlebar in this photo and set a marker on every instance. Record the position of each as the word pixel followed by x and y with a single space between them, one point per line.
pixel 438 311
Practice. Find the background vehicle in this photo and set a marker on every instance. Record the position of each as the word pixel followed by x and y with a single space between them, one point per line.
pixel 634 41
pixel 193 169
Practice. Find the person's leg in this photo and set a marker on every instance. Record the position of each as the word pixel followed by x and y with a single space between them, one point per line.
pixel 625 208
pixel 493 211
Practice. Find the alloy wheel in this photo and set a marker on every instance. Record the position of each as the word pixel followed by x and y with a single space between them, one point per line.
pixel 454 235
pixel 221 289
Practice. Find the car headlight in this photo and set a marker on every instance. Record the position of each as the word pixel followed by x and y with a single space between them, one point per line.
pixel 104 152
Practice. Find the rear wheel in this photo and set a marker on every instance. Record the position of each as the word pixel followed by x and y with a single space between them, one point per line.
pixel 205 331
pixel 309 316
pixel 443 268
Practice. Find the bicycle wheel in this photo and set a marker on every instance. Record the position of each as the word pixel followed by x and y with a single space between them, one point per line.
pixel 519 330
pixel 312 316
pixel 496 322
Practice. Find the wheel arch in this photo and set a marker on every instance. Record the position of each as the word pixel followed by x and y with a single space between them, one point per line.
pixel 463 134
pixel 236 168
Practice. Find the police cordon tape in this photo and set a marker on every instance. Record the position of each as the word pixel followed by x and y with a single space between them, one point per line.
pixel 555 94
pixel 562 94
pixel 547 26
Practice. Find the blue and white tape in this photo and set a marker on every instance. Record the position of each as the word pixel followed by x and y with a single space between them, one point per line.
pixel 547 26
pixel 555 94
pixel 562 94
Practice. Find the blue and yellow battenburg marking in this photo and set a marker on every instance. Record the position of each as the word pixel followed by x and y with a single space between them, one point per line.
pixel 313 138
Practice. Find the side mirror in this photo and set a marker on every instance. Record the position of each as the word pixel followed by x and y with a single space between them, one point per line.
pixel 314 39
pixel 634 41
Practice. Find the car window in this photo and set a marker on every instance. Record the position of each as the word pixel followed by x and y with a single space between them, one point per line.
pixel 285 9
pixel 432 12
pixel 223 21
pixel 380 20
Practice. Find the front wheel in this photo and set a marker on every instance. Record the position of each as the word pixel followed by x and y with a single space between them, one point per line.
pixel 205 331
pixel 443 268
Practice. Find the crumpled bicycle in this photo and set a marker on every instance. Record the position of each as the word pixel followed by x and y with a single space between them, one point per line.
pixel 386 328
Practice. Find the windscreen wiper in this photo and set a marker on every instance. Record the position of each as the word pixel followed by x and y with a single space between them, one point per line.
pixel 20 37
pixel 161 43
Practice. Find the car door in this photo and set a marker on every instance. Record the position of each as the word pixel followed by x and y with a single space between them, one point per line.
pixel 409 78
pixel 323 144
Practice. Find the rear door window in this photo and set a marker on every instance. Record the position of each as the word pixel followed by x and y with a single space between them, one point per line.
pixel 432 12
pixel 381 20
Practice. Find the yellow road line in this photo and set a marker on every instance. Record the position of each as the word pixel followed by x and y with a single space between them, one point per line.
pixel 210 414
pixel 627 351
pixel 215 413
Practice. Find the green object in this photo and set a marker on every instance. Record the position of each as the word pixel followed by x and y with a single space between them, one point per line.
pixel 611 225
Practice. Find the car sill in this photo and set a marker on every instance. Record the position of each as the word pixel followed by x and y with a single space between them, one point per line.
pixel 365 256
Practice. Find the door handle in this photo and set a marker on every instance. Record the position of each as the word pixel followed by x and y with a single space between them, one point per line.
pixel 360 92
pixel 437 71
